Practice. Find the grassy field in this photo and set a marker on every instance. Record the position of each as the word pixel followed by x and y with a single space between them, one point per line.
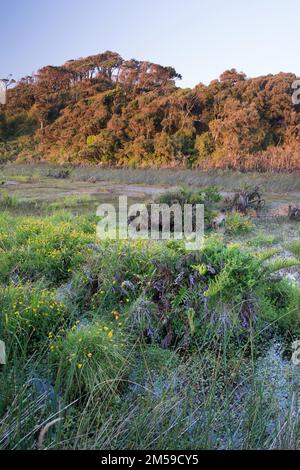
pixel 225 180
pixel 105 336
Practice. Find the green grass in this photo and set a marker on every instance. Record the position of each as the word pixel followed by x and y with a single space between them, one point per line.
pixel 70 201
pixel 294 248
pixel 110 335
pixel 9 202
pixel 261 240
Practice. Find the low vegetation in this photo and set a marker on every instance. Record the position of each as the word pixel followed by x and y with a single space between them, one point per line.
pixel 238 224
pixel 105 336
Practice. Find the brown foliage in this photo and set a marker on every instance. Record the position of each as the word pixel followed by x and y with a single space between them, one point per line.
pixel 103 109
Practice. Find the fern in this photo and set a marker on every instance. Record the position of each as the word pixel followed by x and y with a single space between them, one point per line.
pixel 216 286
pixel 200 268
pixel 267 254
pixel 280 263
pixel 182 297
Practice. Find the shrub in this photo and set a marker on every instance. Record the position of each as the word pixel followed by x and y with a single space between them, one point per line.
pixel 208 196
pixel 186 196
pixel 41 248
pixel 279 303
pixel 89 359
pixel 237 224
pixel 59 173
pixel 27 316
pixel 238 273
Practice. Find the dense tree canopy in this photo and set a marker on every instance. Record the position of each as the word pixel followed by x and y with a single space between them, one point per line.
pixel 103 109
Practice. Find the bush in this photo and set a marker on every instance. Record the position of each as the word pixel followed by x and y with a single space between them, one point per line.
pixel 59 173
pixel 27 316
pixel 42 248
pixel 208 196
pixel 237 224
pixel 238 273
pixel 279 303
pixel 89 359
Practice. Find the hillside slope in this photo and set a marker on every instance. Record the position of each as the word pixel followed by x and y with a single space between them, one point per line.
pixel 104 109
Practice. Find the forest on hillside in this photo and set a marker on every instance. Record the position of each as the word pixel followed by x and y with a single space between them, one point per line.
pixel 105 110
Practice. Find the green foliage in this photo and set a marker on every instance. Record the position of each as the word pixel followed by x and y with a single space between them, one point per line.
pixel 181 297
pixel 237 224
pixel 279 303
pixel 240 274
pixel 186 196
pixel 28 316
pixel 294 247
pixel 39 248
pixel 266 254
pixel 89 359
pixel 123 333
pixel 20 124
pixel 261 240
pixel 90 140
pixel 208 197
pixel 183 143
pixel 70 201
pixel 282 263
pixel 204 146
pixel 8 202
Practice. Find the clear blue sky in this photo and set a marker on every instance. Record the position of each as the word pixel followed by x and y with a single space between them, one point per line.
pixel 199 38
